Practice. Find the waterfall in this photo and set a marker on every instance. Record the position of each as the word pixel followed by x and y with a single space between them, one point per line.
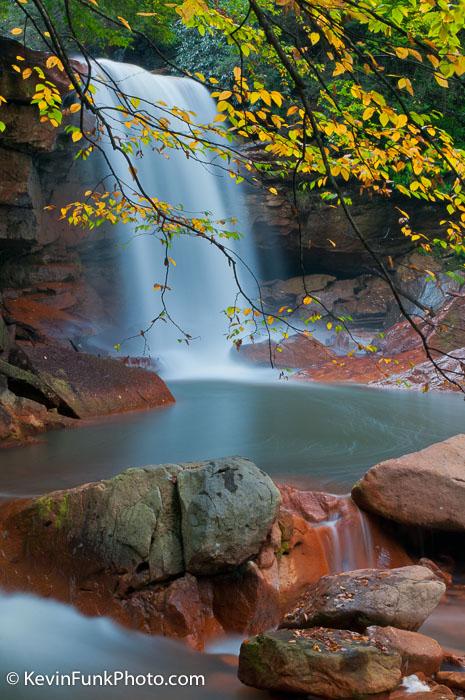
pixel 202 283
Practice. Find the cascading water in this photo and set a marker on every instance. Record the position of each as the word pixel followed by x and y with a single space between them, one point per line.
pixel 202 281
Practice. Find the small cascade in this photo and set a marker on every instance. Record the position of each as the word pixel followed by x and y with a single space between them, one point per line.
pixel 352 540
pixel 201 283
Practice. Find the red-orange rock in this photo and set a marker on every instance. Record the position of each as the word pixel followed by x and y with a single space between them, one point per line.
pixel 419 653
pixel 298 351
pixel 425 488
pixel 453 679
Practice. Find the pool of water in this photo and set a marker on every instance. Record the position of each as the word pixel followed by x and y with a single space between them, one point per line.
pixel 322 436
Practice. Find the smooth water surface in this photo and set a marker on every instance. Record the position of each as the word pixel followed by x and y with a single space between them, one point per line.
pixel 321 436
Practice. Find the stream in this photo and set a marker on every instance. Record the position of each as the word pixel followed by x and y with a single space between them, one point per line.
pixel 320 437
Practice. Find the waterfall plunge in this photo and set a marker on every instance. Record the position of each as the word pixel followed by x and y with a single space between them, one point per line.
pixel 202 282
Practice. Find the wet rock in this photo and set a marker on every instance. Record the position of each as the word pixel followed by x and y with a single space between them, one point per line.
pixel 418 687
pixel 330 663
pixel 300 351
pixel 12 85
pixel 19 186
pixel 244 602
pixel 402 597
pixel 180 609
pixel 150 524
pixel 313 506
pixel 425 488
pixel 228 507
pixel 130 523
pixel 292 290
pixel 419 653
pixel 449 333
pixel 90 386
pixel 452 679
pixel 24 130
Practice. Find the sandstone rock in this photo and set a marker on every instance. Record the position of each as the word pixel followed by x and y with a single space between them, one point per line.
pixel 244 602
pixel 297 351
pixel 24 130
pixel 453 679
pixel 180 609
pixel 228 507
pixel 330 663
pixel 419 653
pixel 313 506
pixel 425 488
pixel 402 597
pixel 92 386
pixel 19 186
pixel 293 289
pixel 12 85
pixel 449 333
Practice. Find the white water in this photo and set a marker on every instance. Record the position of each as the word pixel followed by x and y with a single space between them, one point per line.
pixel 202 282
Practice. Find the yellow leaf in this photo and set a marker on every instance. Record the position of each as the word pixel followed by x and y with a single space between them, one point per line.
pixel 329 325
pixel 16 31
pixel 307 300
pixel 27 72
pixel 402 120
pixel 76 136
pixel 172 261
pixel 441 80
pixel 237 73
pixel 401 51
pixel 273 190
pixel 368 113
pixel 125 23
pixel 75 107
pixel 314 38
pixel 383 118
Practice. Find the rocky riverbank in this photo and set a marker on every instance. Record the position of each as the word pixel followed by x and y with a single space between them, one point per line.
pixel 194 551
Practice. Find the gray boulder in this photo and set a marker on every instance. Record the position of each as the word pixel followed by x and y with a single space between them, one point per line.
pixel 228 507
pixel 402 597
pixel 323 662
pixel 151 524
pixel 131 523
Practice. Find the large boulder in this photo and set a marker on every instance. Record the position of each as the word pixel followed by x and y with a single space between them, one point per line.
pixel 402 597
pixel 425 488
pixel 330 663
pixel 228 507
pixel 150 524
pixel 130 523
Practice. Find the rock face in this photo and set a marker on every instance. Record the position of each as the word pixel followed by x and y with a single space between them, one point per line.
pixel 298 351
pixel 228 507
pixel 330 663
pixel 402 597
pixel 155 523
pixel 419 653
pixel 425 488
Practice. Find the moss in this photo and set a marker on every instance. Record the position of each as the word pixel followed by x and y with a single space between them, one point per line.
pixel 51 509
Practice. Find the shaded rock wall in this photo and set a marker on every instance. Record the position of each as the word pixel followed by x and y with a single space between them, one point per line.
pixel 56 282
